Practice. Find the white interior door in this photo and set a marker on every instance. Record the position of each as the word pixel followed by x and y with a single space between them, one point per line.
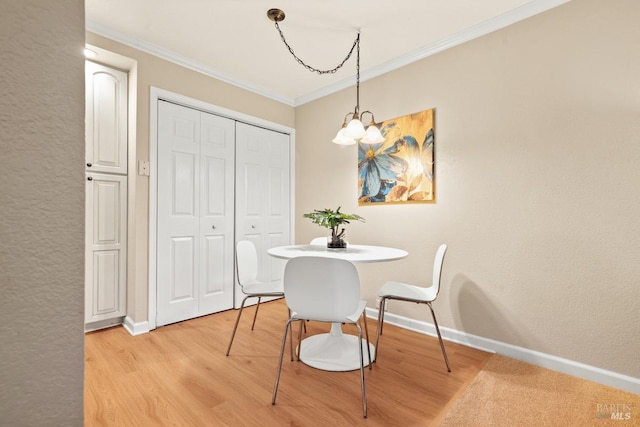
pixel 105 246
pixel 195 213
pixel 263 195
pixel 216 213
pixel 105 119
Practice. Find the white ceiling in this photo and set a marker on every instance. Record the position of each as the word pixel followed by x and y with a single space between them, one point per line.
pixel 233 40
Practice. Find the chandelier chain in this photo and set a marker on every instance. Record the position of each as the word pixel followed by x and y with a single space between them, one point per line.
pixel 358 75
pixel 356 42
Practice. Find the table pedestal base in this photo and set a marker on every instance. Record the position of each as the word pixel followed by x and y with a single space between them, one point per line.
pixel 334 351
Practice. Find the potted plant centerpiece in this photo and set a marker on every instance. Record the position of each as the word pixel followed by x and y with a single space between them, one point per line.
pixel 331 219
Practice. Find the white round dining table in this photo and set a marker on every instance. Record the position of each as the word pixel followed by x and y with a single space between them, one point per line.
pixel 337 351
pixel 353 253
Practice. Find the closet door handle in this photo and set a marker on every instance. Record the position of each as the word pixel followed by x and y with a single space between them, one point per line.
pixel 90 178
pixel 253 226
pixel 89 165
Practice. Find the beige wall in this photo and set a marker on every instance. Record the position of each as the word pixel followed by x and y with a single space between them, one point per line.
pixel 538 154
pixel 536 136
pixel 159 73
pixel 41 213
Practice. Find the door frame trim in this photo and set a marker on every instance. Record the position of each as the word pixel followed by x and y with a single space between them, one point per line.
pixel 155 95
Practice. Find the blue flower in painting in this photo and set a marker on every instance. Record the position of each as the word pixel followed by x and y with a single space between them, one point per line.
pixel 423 154
pixel 379 169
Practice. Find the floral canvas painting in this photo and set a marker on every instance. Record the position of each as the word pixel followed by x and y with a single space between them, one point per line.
pixel 401 168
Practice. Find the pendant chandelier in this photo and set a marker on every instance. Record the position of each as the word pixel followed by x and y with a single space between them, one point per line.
pixel 352 130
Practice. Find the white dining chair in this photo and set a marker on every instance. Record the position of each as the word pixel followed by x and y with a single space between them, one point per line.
pixel 417 294
pixel 247 273
pixel 324 290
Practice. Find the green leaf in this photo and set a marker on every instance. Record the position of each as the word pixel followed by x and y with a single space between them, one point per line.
pixel 329 218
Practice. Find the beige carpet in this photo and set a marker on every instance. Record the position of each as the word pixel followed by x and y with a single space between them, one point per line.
pixel 511 393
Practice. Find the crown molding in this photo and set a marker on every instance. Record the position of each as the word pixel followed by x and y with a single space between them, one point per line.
pixel 170 56
pixel 519 14
pixel 523 12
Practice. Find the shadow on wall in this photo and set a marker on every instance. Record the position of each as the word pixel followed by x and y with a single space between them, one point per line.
pixel 474 312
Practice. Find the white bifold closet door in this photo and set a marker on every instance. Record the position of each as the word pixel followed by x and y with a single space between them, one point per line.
pixel 219 181
pixel 263 195
pixel 195 242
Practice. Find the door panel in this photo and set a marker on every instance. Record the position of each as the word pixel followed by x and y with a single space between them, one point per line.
pixel 195 213
pixel 183 274
pixel 105 275
pixel 105 119
pixel 183 200
pixel 214 277
pixel 106 198
pixel 217 211
pixel 215 181
pixel 177 272
pixel 263 195
pixel 105 245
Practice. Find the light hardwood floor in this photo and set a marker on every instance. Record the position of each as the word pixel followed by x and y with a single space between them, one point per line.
pixel 178 375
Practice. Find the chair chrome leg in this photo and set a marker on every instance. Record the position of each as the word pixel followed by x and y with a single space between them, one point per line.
pixel 290 335
pixel 255 315
pixel 300 338
pixel 284 342
pixel 383 305
pixel 444 352
pixel 364 391
pixel 236 325
pixel 366 330
pixel 381 308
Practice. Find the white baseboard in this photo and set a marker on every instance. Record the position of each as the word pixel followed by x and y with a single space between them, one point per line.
pixel 103 324
pixel 566 366
pixel 135 328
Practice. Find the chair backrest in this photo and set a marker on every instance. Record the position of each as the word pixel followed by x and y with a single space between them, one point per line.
pixel 324 289
pixel 319 241
pixel 246 262
pixel 437 267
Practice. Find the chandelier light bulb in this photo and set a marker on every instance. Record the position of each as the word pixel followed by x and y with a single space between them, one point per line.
pixel 355 129
pixel 372 136
pixel 342 138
